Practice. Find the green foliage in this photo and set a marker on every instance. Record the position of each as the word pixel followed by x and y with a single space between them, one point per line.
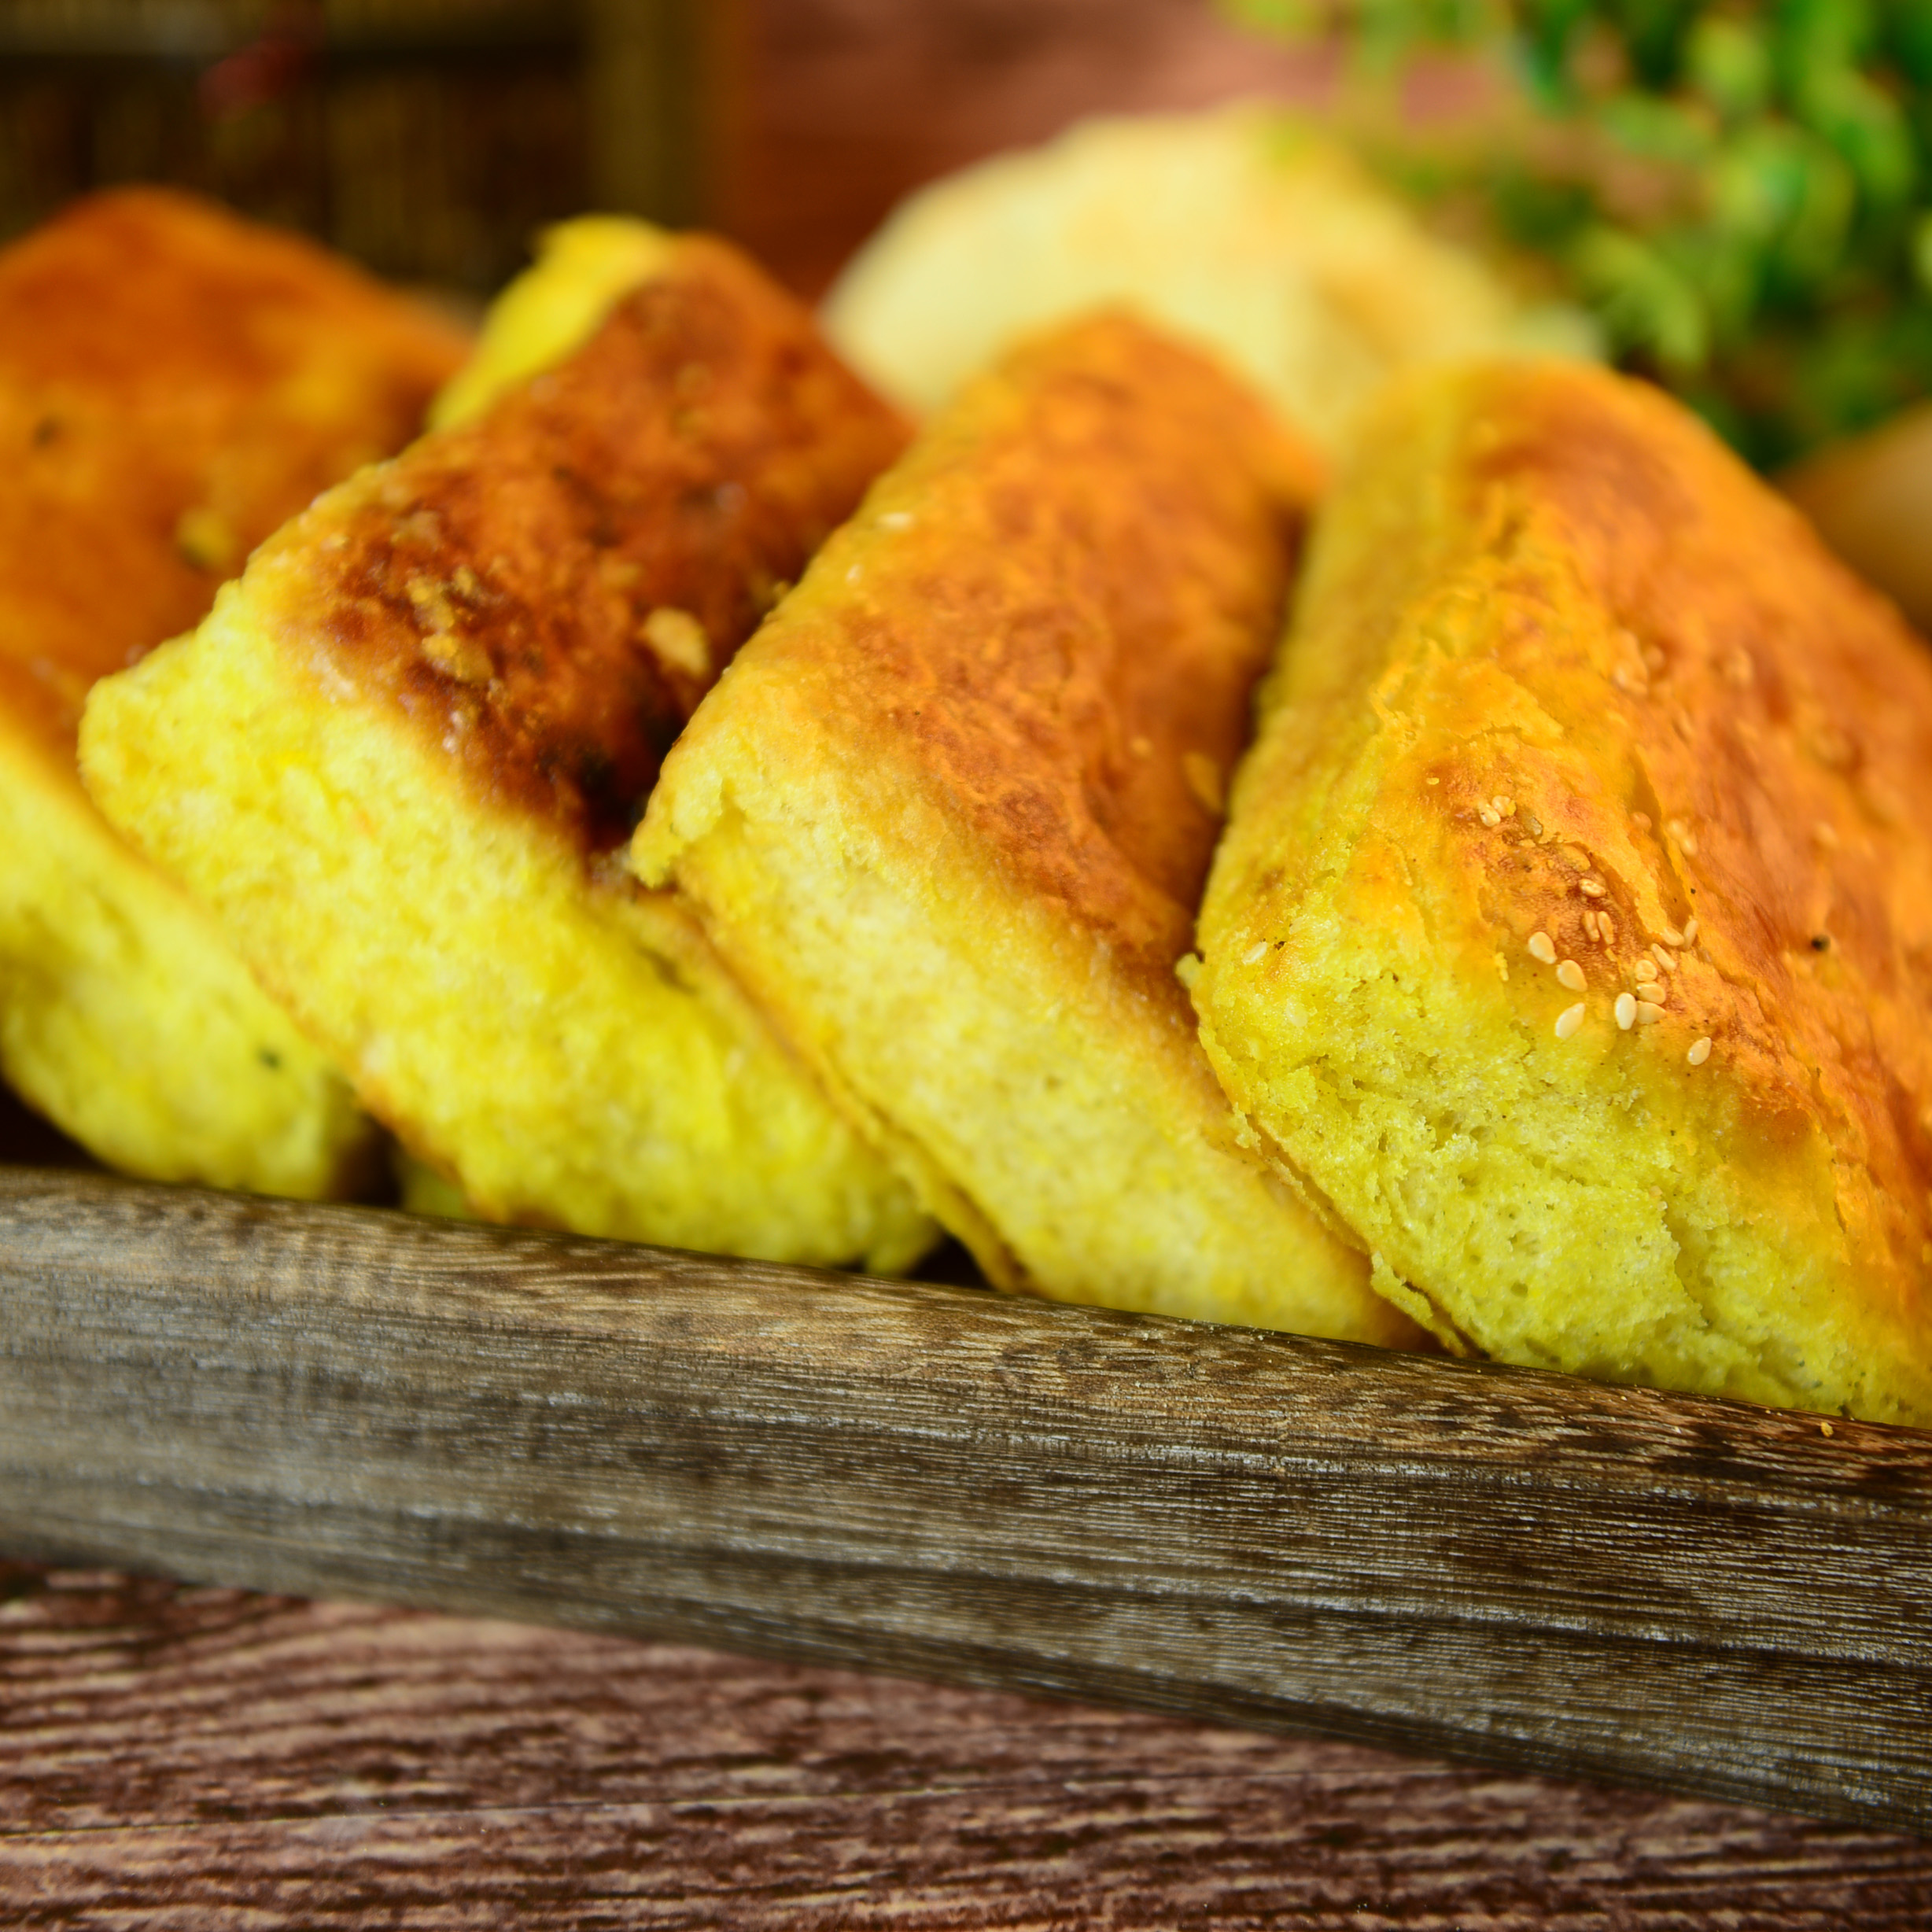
pixel 1741 192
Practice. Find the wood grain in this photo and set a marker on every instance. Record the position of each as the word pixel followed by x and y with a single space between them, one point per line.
pixel 1488 1562
pixel 207 1758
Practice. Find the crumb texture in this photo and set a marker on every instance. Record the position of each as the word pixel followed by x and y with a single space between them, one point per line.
pixel 394 759
pixel 948 815
pixel 173 383
pixel 1572 935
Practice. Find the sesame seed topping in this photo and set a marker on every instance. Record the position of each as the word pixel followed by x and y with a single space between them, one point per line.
pixel 1700 1052
pixel 1542 947
pixel 1569 974
pixel 1502 805
pixel 1681 832
pixel 1664 957
pixel 1648 1012
pixel 1626 1011
pixel 1641 820
pixel 1593 887
pixel 1569 1020
pixel 1254 952
pixel 1489 817
pixel 1672 936
pixel 1589 920
pixel 1824 1428
pixel 1433 781
pixel 1690 932
pixel 1606 929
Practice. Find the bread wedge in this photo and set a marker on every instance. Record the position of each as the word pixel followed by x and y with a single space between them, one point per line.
pixel 1572 939
pixel 400 759
pixel 947 815
pixel 173 383
pixel 1237 228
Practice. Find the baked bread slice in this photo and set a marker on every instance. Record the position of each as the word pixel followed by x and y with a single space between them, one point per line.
pixel 1572 939
pixel 401 758
pixel 1236 228
pixel 947 816
pixel 173 383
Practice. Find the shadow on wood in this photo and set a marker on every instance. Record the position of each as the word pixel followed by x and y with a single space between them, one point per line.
pixel 1491 1562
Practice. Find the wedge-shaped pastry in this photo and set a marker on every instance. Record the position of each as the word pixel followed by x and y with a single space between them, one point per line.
pixel 1572 939
pixel 174 384
pixel 399 759
pixel 948 815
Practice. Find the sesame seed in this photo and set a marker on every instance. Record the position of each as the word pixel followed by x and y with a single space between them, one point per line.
pixel 1569 974
pixel 1593 887
pixel 1502 805
pixel 1641 820
pixel 1672 936
pixel 1433 781
pixel 1664 957
pixel 1569 1020
pixel 1824 1428
pixel 1606 928
pixel 1648 1012
pixel 1590 921
pixel 1542 947
pixel 1489 817
pixel 1254 952
pixel 1626 1011
pixel 1700 1052
pixel 1690 932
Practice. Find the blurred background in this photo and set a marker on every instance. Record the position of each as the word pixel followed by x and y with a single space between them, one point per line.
pixel 429 138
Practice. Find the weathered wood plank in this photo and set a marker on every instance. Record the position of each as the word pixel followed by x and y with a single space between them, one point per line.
pixel 1525 1569
pixel 208 1758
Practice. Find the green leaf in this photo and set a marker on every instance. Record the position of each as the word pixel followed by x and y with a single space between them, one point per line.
pixel 1863 123
pixel 1728 63
pixel 1645 305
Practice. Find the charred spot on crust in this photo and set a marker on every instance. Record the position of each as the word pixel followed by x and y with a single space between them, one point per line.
pixel 546 593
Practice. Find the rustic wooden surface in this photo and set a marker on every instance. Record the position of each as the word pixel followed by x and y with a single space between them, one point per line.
pixel 206 1759
pixel 1527 1568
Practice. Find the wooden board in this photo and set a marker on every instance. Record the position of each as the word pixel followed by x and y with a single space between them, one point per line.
pixel 211 1760
pixel 1488 1562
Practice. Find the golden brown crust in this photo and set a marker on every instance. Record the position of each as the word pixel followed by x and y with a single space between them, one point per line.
pixel 1573 932
pixel 1775 718
pixel 174 383
pixel 549 589
pixel 1060 642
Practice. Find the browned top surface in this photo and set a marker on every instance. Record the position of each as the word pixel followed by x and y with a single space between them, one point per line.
pixel 204 1758
pixel 529 588
pixel 1052 612
pixel 1756 728
pixel 1779 714
pixel 160 359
